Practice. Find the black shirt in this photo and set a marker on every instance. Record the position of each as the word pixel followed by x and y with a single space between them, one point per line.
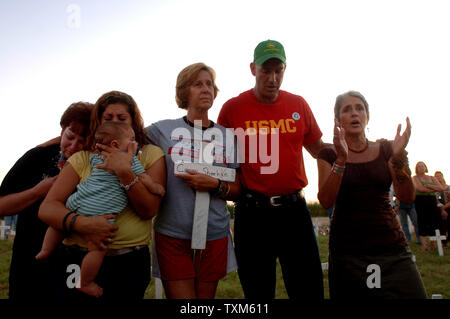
pixel 363 220
pixel 29 278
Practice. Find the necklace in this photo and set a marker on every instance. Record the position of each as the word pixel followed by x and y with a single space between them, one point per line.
pixel 211 123
pixel 360 151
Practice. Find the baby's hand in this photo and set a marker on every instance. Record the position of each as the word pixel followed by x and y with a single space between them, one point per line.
pixel 157 189
pixel 151 186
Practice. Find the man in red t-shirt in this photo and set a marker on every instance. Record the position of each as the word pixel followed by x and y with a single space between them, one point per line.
pixel 271 217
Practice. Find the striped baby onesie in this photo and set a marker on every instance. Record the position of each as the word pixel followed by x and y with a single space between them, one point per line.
pixel 101 193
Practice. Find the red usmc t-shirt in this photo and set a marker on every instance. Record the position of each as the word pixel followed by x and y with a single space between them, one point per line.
pixel 271 137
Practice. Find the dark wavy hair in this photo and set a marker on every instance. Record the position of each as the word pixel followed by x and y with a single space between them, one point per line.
pixel 113 97
pixel 78 115
pixel 340 98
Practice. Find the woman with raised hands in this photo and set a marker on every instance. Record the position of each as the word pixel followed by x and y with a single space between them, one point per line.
pixel 368 252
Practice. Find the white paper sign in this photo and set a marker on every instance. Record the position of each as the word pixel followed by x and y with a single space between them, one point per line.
pixel 223 173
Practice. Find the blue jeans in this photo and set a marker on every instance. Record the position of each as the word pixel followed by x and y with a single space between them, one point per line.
pixel 262 234
pixel 403 213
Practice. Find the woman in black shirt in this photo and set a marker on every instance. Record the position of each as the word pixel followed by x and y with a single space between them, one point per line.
pixel 23 190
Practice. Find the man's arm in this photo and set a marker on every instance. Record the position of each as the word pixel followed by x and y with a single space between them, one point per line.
pixel 314 148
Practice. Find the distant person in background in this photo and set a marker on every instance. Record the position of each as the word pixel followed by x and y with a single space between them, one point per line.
pixel 443 204
pixel 330 211
pixel 405 210
pixel 355 176
pixel 22 192
pixel 428 214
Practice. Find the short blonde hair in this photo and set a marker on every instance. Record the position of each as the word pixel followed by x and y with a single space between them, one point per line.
pixel 426 168
pixel 186 77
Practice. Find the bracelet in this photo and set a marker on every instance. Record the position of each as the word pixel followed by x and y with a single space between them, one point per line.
pixel 127 187
pixel 72 221
pixel 228 190
pixel 66 232
pixel 338 169
pixel 401 162
pixel 216 190
pixel 224 190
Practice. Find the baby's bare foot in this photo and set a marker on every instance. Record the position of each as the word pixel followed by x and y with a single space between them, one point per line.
pixel 92 289
pixel 43 254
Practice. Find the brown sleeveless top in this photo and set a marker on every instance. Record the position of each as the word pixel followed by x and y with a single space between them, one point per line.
pixel 363 220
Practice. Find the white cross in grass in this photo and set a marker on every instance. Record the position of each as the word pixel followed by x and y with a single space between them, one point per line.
pixel 3 228
pixel 438 238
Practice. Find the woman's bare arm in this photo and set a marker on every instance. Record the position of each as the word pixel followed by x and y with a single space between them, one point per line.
pixel 329 184
pixel 14 203
pixel 95 229
pixel 330 178
pixel 145 203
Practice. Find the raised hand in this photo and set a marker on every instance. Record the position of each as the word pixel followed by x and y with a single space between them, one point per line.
pixel 400 141
pixel 339 143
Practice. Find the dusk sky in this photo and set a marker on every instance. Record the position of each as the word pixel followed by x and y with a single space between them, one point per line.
pixel 396 53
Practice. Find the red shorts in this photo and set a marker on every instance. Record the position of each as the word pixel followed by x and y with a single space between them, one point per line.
pixel 178 261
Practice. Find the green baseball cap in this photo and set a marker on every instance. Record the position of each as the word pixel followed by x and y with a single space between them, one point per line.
pixel 269 49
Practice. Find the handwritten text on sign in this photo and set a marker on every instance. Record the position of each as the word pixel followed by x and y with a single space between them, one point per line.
pixel 222 173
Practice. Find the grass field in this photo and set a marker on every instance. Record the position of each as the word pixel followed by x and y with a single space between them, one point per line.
pixel 435 271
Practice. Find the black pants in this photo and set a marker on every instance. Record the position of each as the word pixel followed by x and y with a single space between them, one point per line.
pixel 123 277
pixel 31 279
pixel 262 234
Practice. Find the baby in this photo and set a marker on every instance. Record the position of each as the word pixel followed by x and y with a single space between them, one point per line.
pixel 100 194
